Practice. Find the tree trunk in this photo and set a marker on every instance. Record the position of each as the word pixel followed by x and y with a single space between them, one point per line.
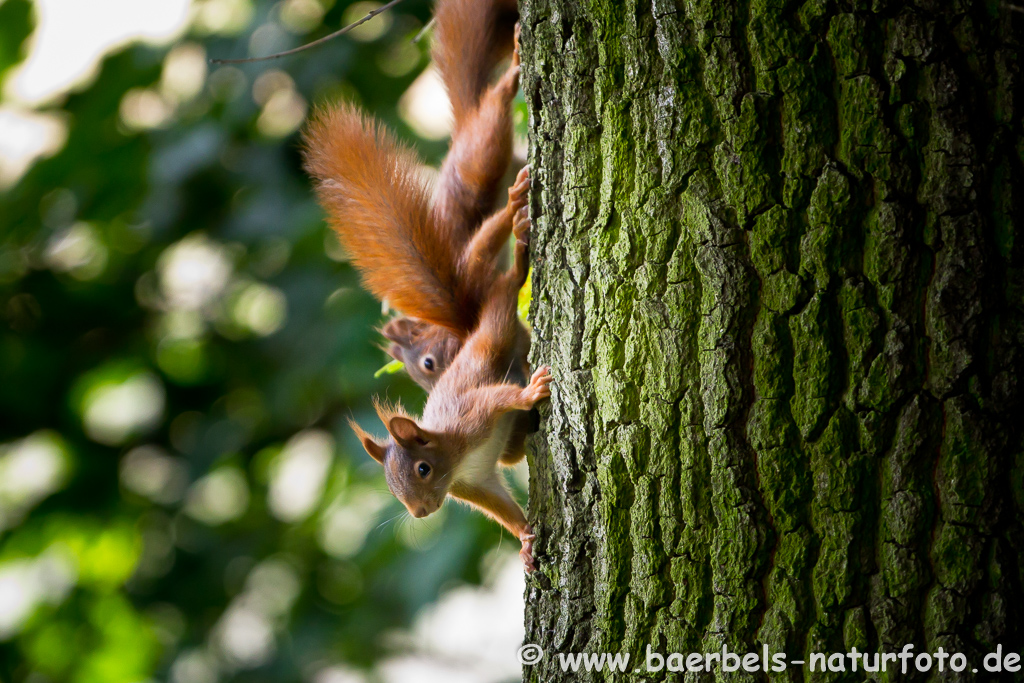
pixel 777 275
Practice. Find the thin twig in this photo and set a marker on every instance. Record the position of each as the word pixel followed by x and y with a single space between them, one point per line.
pixel 319 41
pixel 1013 8
pixel 423 31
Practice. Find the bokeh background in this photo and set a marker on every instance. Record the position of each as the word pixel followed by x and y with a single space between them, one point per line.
pixel 181 342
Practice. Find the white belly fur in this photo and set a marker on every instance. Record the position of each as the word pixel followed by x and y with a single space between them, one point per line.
pixel 480 463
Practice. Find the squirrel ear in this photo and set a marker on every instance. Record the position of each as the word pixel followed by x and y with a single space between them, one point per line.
pixel 375 450
pixel 401 330
pixel 395 351
pixel 407 432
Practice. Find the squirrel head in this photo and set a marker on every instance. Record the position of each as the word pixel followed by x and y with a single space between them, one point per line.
pixel 425 349
pixel 416 468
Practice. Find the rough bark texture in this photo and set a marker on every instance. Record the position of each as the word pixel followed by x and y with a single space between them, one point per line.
pixel 778 277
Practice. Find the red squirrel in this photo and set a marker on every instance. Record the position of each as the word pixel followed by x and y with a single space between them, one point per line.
pixel 470 38
pixel 434 259
pixel 474 419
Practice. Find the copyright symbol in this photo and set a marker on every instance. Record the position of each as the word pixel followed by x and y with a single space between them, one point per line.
pixel 530 654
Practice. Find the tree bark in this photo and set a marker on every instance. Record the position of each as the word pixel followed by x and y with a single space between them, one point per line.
pixel 777 275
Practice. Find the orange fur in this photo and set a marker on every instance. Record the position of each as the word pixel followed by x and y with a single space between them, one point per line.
pixel 377 204
pixel 386 411
pixel 408 244
pixel 470 38
pixel 434 257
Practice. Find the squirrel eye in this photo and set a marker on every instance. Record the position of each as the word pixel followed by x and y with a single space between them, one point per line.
pixel 424 469
pixel 428 363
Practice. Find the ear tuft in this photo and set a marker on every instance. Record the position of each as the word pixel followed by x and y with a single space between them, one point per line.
pixel 375 449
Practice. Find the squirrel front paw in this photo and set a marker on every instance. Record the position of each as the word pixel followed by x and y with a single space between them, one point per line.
pixel 521 254
pixel 526 552
pixel 521 224
pixel 507 86
pixel 515 45
pixel 538 388
pixel 519 193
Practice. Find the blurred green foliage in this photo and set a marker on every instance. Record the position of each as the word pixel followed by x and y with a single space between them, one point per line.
pixel 179 353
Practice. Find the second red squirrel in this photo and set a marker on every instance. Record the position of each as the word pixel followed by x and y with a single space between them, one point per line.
pixel 470 38
pixel 427 349
pixel 434 259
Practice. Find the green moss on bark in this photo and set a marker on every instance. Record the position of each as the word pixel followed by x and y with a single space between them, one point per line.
pixel 777 275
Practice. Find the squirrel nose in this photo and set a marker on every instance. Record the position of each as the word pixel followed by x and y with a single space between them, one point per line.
pixel 421 511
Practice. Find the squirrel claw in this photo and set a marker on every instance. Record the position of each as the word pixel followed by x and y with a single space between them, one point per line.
pixel 526 555
pixel 510 81
pixel 518 194
pixel 526 552
pixel 520 256
pixel 521 224
pixel 538 388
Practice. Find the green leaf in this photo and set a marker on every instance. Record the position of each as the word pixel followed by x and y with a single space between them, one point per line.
pixel 390 369
pixel 525 296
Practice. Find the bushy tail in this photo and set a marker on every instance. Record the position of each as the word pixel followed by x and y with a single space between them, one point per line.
pixel 470 38
pixel 377 203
